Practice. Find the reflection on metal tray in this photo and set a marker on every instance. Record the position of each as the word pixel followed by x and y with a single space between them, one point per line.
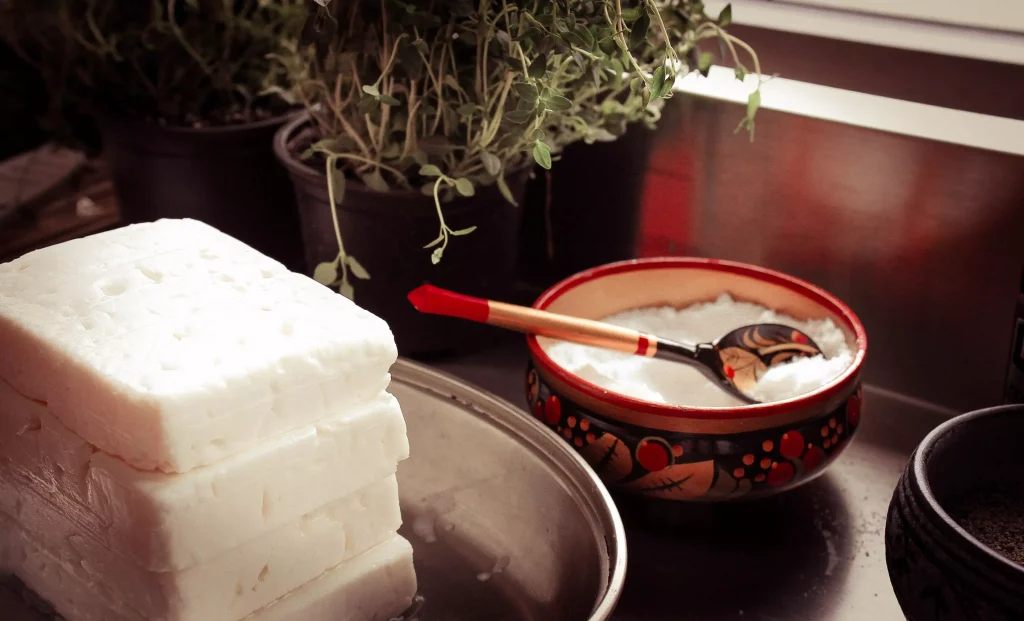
pixel 506 522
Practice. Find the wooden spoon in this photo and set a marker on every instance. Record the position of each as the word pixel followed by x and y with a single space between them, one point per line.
pixel 735 361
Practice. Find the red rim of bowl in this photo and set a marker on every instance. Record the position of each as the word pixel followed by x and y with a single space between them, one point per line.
pixel 825 393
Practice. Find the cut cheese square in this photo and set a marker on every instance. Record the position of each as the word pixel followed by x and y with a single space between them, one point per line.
pixel 173 346
pixel 175 521
pixel 374 586
pixel 239 581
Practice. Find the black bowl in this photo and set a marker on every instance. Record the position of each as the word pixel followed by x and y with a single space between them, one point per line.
pixel 938 569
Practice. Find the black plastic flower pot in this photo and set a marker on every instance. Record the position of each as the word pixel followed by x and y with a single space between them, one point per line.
pixel 226 177
pixel 387 231
pixel 585 211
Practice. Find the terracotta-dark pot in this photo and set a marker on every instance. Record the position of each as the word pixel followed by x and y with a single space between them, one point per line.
pixel 386 232
pixel 658 451
pixel 224 176
pixel 938 569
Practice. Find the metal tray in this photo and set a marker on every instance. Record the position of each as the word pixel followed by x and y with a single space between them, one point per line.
pixel 507 523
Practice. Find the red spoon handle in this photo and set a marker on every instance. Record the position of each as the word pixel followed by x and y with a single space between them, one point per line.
pixel 437 301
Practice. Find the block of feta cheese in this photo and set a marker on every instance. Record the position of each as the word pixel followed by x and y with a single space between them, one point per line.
pixel 172 345
pixel 175 521
pixel 374 586
pixel 232 585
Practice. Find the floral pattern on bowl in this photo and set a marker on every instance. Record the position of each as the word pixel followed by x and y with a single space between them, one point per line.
pixel 694 466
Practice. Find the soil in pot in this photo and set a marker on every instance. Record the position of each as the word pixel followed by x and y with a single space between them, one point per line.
pixel 994 517
pixel 387 231
pixel 225 176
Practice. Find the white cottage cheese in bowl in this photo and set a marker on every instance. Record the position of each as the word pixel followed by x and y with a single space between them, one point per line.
pixel 672 383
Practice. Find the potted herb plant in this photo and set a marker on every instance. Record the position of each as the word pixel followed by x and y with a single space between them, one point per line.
pixel 427 117
pixel 187 95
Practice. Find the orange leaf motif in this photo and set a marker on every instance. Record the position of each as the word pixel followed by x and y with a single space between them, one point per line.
pixel 677 482
pixel 747 365
pixel 609 457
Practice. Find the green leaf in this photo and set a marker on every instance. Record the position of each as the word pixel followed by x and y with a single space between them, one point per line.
pixel 435 257
pixel 542 154
pixel 326 273
pixel 741 74
pixel 585 35
pixel 371 90
pixel 645 98
pixel 422 46
pixel 658 87
pixel 574 39
pixel 559 103
pixel 706 60
pixel 725 17
pixel 375 181
pixel 753 103
pixel 462 232
pixel 633 14
pixel 638 33
pixel 430 171
pixel 519 116
pixel 450 81
pixel 367 104
pixel 388 100
pixel 505 191
pixel 391 151
pixel 492 164
pixel 538 134
pixel 466 110
pixel 357 269
pixel 337 182
pixel 419 157
pixel 464 187
pixel 526 92
pixel 440 238
pixel 346 290
pixel 538 67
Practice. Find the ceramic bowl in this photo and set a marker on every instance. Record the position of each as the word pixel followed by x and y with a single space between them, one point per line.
pixel 938 569
pixel 692 453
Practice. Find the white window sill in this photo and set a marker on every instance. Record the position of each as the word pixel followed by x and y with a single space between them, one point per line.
pixel 981 44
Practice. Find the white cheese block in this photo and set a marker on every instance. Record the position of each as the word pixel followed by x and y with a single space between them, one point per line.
pixel 374 586
pixel 238 581
pixel 172 345
pixel 175 521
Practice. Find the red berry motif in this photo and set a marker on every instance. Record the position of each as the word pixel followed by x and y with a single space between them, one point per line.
pixel 781 473
pixel 532 385
pixel 813 459
pixel 792 444
pixel 799 337
pixel 729 371
pixel 553 410
pixel 654 454
pixel 538 410
pixel 853 409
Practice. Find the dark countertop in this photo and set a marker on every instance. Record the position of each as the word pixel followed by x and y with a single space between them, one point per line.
pixel 816 553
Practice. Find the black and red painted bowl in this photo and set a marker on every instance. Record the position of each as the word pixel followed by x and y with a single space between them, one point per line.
pixel 693 453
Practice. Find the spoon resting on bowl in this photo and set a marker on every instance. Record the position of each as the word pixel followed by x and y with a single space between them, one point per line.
pixel 735 362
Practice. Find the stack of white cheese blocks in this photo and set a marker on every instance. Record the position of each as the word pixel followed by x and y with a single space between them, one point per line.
pixel 190 432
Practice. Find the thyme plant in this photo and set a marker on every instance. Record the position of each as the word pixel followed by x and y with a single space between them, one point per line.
pixel 446 96
pixel 176 62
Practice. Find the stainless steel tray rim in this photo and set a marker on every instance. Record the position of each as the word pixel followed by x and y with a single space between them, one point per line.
pixel 545 444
